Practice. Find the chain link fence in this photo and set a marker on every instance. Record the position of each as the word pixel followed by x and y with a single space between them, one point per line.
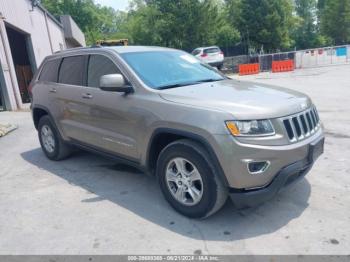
pixel 302 59
pixel 322 56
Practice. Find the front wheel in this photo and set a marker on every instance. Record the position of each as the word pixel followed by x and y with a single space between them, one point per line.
pixel 189 181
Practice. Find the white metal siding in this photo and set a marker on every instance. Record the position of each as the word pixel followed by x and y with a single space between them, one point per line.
pixel 5 67
pixel 57 36
pixel 16 12
pixel 19 13
pixel 72 32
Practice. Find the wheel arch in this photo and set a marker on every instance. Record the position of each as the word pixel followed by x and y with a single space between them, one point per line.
pixel 39 111
pixel 161 137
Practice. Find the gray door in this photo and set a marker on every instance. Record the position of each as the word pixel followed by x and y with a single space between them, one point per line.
pixel 71 108
pixel 110 118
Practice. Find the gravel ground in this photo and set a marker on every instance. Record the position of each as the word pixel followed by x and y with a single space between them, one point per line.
pixel 91 205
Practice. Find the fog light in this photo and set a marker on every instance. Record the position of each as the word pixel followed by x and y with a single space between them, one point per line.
pixel 259 167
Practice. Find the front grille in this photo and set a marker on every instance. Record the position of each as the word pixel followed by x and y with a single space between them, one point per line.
pixel 302 125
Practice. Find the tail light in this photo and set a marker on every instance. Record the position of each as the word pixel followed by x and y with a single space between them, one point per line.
pixel 204 55
pixel 221 53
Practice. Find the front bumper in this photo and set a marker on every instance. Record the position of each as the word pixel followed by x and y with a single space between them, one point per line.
pixel 286 176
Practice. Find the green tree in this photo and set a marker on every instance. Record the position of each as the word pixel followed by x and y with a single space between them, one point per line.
pixel 232 8
pixel 143 25
pixel 335 21
pixel 266 23
pixel 306 32
pixel 183 24
pixel 186 24
pixel 97 22
pixel 227 34
pixel 320 5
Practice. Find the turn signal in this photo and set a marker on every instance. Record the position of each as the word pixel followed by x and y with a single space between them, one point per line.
pixel 233 128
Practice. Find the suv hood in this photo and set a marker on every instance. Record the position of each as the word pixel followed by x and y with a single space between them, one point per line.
pixel 244 100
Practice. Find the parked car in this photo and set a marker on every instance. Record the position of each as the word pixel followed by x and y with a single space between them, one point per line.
pixel 204 136
pixel 211 55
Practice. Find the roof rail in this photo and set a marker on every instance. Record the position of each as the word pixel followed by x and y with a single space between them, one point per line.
pixel 95 46
pixel 77 48
pixel 113 42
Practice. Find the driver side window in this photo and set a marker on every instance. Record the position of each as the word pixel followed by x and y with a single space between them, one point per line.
pixel 99 65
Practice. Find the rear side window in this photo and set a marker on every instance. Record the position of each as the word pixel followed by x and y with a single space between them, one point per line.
pixel 212 50
pixel 72 70
pixel 98 66
pixel 49 72
pixel 196 52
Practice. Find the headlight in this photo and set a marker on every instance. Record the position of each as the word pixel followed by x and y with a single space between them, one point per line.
pixel 250 128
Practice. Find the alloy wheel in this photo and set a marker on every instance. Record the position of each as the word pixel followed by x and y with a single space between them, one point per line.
pixel 184 181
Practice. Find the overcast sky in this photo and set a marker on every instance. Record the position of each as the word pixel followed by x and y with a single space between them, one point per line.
pixel 116 4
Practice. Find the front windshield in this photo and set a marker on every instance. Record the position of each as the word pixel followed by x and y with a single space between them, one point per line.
pixel 169 69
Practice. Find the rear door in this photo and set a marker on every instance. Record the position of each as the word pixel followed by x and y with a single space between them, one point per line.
pixel 46 85
pixel 68 91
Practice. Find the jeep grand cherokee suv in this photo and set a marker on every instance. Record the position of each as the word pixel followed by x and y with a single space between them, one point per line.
pixel 204 136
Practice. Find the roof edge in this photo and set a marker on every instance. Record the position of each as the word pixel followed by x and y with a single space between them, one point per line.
pixel 42 8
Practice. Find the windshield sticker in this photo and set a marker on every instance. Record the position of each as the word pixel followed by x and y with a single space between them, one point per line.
pixel 190 59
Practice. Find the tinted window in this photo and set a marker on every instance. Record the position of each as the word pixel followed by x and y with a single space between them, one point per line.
pixel 50 71
pixel 212 50
pixel 98 66
pixel 196 52
pixel 72 70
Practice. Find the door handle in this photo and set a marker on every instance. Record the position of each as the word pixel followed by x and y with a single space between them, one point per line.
pixel 53 90
pixel 87 96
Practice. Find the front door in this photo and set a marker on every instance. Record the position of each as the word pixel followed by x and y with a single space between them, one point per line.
pixel 110 118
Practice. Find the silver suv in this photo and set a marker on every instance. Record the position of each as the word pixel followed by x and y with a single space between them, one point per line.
pixel 204 136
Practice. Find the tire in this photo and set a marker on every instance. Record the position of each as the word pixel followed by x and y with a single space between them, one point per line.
pixel 220 67
pixel 59 149
pixel 211 194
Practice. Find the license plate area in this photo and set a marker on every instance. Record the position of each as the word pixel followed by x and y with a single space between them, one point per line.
pixel 316 149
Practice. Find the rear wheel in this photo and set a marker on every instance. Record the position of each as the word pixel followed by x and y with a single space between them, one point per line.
pixel 51 142
pixel 189 181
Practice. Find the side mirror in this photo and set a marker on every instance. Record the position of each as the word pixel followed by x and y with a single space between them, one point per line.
pixel 114 83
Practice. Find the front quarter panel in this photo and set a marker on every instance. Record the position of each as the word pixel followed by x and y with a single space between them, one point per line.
pixel 163 114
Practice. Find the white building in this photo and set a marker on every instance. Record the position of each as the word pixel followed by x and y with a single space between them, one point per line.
pixel 29 33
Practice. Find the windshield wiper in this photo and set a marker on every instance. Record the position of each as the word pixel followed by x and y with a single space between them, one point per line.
pixel 188 83
pixel 175 85
pixel 209 80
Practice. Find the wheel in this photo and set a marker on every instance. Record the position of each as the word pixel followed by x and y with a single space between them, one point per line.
pixel 51 142
pixel 189 181
pixel 220 67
